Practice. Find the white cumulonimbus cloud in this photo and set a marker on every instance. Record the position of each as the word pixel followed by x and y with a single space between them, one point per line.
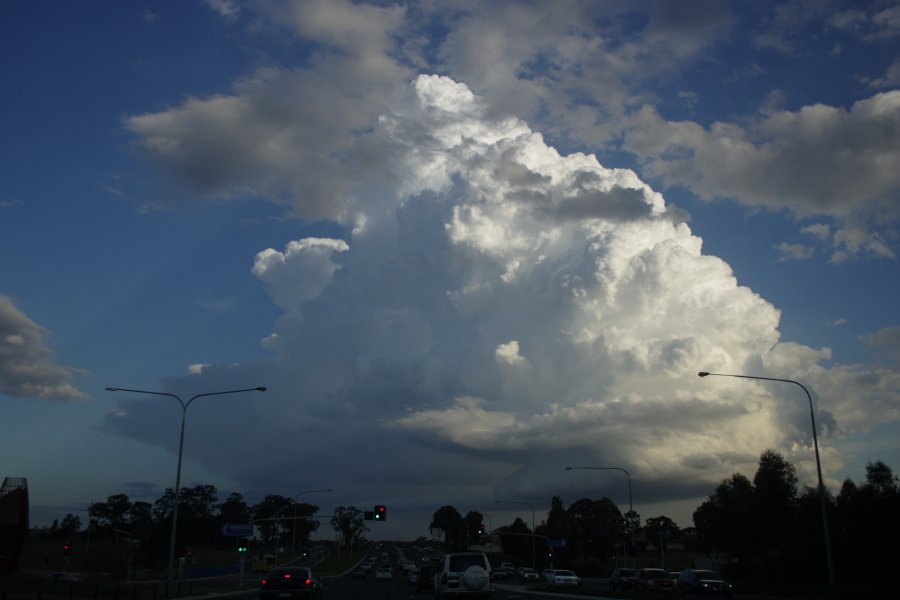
pixel 27 368
pixel 495 300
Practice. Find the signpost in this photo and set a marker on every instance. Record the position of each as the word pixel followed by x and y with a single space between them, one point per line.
pixel 241 531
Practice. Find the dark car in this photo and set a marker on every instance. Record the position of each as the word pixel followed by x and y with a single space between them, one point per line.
pixel 653 580
pixel 620 579
pixel 425 578
pixel 703 583
pixel 290 582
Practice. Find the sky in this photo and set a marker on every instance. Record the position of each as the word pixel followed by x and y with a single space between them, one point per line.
pixel 463 244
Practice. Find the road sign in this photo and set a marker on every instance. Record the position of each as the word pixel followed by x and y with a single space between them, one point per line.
pixel 232 530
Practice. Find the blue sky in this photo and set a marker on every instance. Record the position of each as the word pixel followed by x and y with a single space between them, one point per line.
pixel 463 244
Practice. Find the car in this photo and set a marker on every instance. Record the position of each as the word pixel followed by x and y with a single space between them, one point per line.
pixel 425 577
pixel 464 575
pixel 702 582
pixel 290 582
pixel 620 579
pixel 503 573
pixel 527 574
pixel 562 578
pixel 546 574
pixel 384 574
pixel 652 581
pixel 412 575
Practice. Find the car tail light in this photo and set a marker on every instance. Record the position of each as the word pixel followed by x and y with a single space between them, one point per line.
pixel 264 583
pixel 308 581
pixel 287 575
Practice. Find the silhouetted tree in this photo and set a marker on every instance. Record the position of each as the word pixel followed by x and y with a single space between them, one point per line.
pixel 473 521
pixel 107 518
pixel 266 514
pixel 596 526
pixel 70 526
pixel 448 520
pixel 516 540
pixel 867 518
pixel 349 522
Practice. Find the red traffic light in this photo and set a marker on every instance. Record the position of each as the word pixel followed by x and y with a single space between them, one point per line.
pixel 380 512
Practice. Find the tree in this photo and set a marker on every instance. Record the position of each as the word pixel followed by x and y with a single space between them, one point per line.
pixel 473 521
pixel 881 479
pixel 516 540
pixel 726 520
pixel 448 520
pixel 233 511
pixel 266 514
pixel 596 526
pixel 110 517
pixel 301 528
pixel 660 530
pixel 70 526
pixel 557 524
pixel 349 522
pixel 197 521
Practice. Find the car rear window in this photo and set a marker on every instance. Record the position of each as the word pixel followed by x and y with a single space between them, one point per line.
pixel 565 573
pixel 463 562
pixel 295 573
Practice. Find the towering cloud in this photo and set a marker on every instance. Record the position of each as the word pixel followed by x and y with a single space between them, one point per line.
pixel 498 309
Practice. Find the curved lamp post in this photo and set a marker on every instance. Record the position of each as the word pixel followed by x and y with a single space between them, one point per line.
pixel 812 419
pixel 294 524
pixel 184 407
pixel 533 563
pixel 630 502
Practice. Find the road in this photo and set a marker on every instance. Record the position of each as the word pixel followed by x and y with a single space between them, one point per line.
pixel 346 588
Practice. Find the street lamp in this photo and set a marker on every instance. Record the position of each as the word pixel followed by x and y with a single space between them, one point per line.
pixel 533 563
pixel 630 502
pixel 184 407
pixel 294 524
pixel 812 419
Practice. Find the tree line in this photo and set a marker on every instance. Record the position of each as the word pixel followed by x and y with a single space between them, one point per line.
pixel 145 527
pixel 764 528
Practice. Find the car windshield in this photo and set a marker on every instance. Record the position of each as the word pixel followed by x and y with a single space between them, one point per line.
pixel 707 575
pixel 626 573
pixel 464 561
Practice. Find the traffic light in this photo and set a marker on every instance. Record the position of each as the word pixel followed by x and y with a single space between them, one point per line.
pixel 242 547
pixel 67 548
pixel 380 512
pixel 481 529
pixel 189 556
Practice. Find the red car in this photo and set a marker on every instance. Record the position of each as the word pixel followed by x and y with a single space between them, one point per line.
pixel 653 580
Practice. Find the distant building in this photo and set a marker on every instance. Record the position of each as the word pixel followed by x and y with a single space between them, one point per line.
pixel 13 522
